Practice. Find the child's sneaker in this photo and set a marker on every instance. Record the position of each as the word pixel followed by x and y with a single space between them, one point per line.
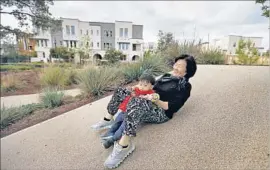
pixel 108 143
pixel 103 124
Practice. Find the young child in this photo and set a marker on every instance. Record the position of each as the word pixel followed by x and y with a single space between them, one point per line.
pixel 144 87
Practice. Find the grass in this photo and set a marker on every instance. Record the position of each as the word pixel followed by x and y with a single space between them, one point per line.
pixel 211 56
pixel 9 83
pixel 72 75
pixel 15 67
pixel 11 115
pixel 55 77
pixel 21 66
pixel 96 81
pixel 52 98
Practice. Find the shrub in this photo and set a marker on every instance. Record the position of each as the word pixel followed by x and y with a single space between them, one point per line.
pixel 9 83
pixel 52 98
pixel 10 115
pixel 15 67
pixel 113 56
pixel 54 77
pixel 154 65
pixel 132 72
pixel 71 77
pixel 96 81
pixel 247 53
pixel 212 56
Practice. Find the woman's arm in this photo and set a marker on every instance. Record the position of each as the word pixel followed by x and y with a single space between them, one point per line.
pixel 164 105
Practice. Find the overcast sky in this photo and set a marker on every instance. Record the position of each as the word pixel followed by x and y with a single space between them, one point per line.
pixel 181 18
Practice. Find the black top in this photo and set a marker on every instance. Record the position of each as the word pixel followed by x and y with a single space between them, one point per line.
pixel 175 91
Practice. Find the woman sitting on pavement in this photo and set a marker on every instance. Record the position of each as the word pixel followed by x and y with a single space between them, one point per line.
pixel 173 90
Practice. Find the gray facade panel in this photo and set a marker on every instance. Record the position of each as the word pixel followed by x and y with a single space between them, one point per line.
pixel 107 33
pixel 137 31
pixel 57 38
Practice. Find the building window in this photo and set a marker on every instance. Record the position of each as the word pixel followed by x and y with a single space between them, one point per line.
pixel 67 30
pixel 121 32
pixel 98 45
pixel 106 33
pixel 92 44
pixel 91 32
pixel 97 32
pixel 123 46
pixel 71 45
pixel 126 32
pixel 67 43
pixel 234 44
pixel 107 46
pixel 43 55
pixel 61 43
pixel 133 47
pixel 73 30
pixel 87 44
pixel 75 44
pixel 41 43
pixel 38 43
pixel 86 32
pixel 46 45
pixel 81 32
pixel 30 48
pixel 111 33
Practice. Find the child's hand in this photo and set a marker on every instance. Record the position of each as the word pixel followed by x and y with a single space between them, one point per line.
pixel 147 97
pixel 129 88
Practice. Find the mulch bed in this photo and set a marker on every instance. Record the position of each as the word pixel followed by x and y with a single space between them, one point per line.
pixel 29 82
pixel 45 114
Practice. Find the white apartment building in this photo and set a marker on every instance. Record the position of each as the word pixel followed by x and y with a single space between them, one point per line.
pixel 121 35
pixel 229 44
pixel 128 39
pixel 43 45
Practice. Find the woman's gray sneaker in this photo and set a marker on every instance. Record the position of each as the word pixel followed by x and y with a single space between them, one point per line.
pixel 118 155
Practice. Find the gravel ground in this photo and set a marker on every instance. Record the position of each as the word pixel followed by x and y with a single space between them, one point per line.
pixel 224 125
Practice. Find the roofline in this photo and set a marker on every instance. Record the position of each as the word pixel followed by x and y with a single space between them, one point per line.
pixel 244 36
pixel 98 22
pixel 137 25
pixel 69 18
pixel 123 21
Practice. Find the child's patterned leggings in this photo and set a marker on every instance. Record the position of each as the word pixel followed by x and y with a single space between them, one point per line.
pixel 138 111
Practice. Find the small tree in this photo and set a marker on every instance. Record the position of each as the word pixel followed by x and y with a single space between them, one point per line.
pixel 37 12
pixel 165 39
pixel 265 8
pixel 247 53
pixel 84 49
pixel 113 56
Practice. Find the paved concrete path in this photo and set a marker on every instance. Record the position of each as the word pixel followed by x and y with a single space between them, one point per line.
pixel 224 125
pixel 18 100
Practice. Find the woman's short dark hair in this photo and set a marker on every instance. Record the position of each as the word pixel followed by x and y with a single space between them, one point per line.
pixel 191 64
pixel 147 78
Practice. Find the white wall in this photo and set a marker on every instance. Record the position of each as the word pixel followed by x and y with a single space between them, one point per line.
pixel 70 22
pixel 123 39
pixel 227 43
pixel 43 35
pixel 256 40
pixel 95 37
